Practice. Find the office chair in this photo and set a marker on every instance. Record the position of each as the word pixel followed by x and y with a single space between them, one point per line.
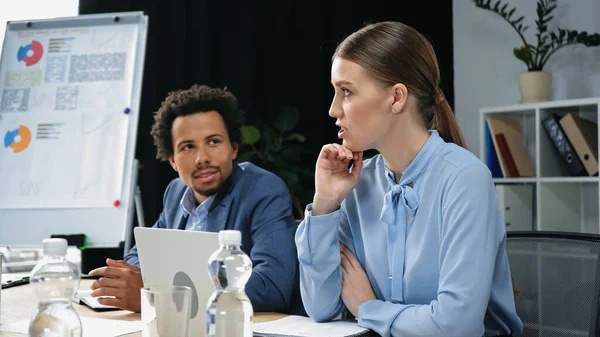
pixel 557 282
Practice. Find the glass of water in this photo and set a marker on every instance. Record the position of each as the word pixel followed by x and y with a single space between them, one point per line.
pixel 166 311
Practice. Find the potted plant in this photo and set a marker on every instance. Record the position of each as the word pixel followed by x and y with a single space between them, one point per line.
pixel 278 149
pixel 535 84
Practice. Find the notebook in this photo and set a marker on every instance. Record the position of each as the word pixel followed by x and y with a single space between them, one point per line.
pixel 85 297
pixel 300 326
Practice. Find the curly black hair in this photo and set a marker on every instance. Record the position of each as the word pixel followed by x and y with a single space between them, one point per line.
pixel 198 98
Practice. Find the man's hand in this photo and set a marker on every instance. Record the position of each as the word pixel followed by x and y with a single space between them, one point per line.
pixel 356 288
pixel 121 280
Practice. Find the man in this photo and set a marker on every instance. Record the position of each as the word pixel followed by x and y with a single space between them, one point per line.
pixel 198 131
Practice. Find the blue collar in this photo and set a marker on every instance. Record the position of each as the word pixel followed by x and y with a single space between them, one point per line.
pixel 189 204
pixel 418 165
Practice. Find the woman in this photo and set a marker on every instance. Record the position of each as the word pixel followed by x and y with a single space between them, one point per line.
pixel 410 241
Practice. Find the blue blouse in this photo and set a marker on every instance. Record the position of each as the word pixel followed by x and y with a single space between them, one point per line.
pixel 433 247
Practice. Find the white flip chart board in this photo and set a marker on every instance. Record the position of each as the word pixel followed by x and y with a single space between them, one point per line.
pixel 69 107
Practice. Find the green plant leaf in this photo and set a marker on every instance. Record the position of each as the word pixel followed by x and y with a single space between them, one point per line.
pixel 517 21
pixel 250 135
pixel 270 140
pixel 523 54
pixel 286 119
pixel 246 156
pixel 296 136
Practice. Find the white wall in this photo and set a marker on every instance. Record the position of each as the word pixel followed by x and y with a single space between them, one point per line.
pixel 16 10
pixel 486 71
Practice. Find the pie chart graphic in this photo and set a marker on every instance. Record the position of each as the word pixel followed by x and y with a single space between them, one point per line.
pixel 17 139
pixel 31 53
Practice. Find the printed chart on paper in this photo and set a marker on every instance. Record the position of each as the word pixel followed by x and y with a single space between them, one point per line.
pixel 63 126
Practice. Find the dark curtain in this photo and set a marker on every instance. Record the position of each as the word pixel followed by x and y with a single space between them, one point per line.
pixel 269 53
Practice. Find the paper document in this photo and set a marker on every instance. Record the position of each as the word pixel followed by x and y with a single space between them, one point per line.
pixel 91 326
pixel 306 327
pixel 12 277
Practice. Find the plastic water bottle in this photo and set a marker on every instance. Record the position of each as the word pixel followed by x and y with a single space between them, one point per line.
pixel 229 311
pixel 55 280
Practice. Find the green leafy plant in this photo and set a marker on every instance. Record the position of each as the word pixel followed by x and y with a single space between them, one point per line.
pixel 278 149
pixel 536 56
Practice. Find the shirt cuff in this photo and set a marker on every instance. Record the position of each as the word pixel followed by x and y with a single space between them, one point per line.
pixel 329 217
pixel 375 314
pixel 363 308
pixel 317 237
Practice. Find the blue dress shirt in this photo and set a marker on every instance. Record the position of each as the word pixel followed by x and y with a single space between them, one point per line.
pixel 197 214
pixel 433 248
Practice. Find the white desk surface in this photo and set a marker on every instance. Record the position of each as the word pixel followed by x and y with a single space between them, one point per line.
pixel 20 303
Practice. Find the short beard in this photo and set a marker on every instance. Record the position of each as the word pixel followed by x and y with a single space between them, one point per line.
pixel 212 191
pixel 208 193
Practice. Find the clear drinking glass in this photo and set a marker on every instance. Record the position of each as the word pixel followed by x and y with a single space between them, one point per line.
pixel 166 311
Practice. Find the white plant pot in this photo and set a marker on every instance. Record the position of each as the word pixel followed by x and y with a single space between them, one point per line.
pixel 535 86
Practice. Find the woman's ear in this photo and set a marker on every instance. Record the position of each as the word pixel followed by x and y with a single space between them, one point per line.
pixel 400 96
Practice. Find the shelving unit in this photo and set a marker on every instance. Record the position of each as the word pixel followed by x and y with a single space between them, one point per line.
pixel 560 202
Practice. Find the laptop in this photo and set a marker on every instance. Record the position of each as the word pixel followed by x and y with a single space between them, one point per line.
pixel 178 257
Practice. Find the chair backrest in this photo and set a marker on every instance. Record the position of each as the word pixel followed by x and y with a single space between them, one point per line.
pixel 557 277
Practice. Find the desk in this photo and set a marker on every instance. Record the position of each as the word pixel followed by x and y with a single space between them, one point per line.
pixel 20 303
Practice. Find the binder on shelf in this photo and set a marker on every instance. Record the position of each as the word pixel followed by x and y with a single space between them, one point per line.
pixel 563 146
pixel 491 157
pixel 501 160
pixel 583 135
pixel 511 167
pixel 515 140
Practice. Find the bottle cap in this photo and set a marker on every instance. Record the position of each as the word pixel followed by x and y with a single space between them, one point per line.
pixel 57 246
pixel 230 237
